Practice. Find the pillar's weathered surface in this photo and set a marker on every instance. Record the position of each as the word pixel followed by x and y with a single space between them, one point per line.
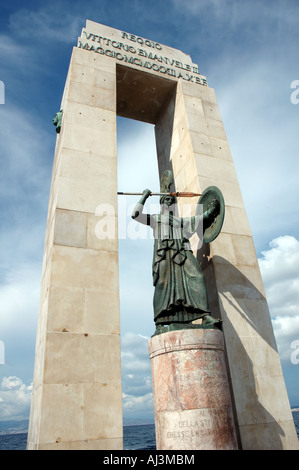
pixel 77 401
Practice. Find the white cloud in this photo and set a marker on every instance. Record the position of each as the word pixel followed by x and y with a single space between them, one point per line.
pixel 15 399
pixel 261 125
pixel 280 263
pixel 25 146
pixel 135 355
pixel 286 331
pixel 247 52
pixel 279 268
pixel 137 157
pixel 18 62
pixel 24 186
pixel 19 300
pixel 258 18
pixel 19 296
pixel 10 51
pixel 136 378
pixel 52 22
pixel 137 170
pixel 136 404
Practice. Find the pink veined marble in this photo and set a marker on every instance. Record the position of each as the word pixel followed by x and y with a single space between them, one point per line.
pixel 193 408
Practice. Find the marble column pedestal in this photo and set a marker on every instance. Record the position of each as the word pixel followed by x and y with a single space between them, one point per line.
pixel 193 408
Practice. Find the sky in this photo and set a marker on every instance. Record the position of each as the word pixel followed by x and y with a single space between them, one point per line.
pixel 249 53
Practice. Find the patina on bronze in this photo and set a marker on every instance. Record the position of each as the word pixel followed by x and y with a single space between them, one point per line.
pixel 57 120
pixel 180 295
pixel 212 230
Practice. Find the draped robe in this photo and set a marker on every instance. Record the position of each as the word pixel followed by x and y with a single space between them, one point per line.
pixel 180 293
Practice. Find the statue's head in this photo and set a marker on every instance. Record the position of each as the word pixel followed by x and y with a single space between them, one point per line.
pixel 167 199
pixel 166 202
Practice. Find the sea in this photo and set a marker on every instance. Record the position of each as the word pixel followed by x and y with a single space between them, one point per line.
pixel 139 437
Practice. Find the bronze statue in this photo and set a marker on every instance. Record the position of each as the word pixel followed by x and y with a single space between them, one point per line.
pixel 180 295
pixel 57 120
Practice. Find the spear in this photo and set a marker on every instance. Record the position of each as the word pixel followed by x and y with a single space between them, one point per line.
pixel 174 194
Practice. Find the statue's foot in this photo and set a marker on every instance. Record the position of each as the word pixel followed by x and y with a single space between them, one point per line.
pixel 210 322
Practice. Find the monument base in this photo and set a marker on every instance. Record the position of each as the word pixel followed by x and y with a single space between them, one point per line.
pixel 193 408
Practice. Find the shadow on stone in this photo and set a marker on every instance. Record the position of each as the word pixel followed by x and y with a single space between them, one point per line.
pixel 242 306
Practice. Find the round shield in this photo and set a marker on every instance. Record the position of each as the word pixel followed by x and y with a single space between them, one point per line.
pixel 212 227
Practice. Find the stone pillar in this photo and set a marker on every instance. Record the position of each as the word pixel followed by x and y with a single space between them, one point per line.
pixel 193 408
pixel 191 141
pixel 76 400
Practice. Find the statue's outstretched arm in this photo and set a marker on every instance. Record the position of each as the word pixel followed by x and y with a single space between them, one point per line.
pixel 197 219
pixel 138 209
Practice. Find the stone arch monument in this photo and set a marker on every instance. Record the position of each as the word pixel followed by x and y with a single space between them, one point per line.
pixel 77 401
